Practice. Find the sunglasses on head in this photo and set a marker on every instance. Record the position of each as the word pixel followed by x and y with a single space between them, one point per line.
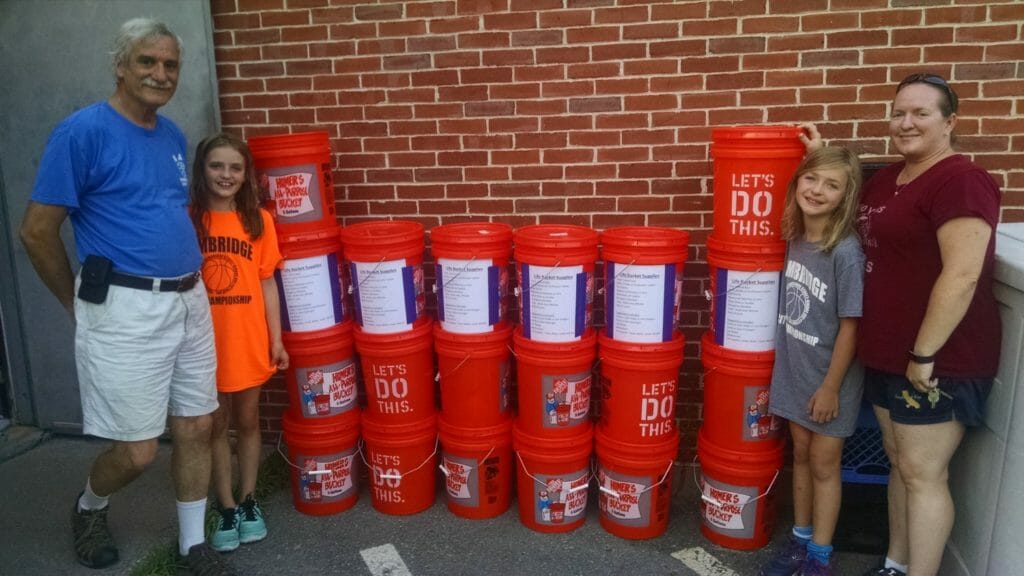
pixel 934 80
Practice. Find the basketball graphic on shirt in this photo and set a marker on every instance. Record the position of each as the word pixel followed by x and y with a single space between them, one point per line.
pixel 219 273
pixel 798 303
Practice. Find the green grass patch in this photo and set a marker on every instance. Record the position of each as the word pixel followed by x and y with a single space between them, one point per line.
pixel 275 474
pixel 163 560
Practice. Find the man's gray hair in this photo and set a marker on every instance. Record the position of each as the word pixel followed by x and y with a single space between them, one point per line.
pixel 138 30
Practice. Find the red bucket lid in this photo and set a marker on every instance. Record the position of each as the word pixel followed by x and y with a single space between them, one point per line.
pixel 472 240
pixel 551 243
pixel 382 240
pixel 756 133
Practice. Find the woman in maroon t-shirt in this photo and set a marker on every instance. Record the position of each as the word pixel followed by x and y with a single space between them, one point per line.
pixel 930 335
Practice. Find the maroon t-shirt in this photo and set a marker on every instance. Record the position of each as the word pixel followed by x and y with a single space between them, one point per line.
pixel 898 230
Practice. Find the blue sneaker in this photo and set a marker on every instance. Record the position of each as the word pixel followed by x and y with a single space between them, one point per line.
pixel 225 536
pixel 788 561
pixel 251 527
pixel 883 571
pixel 815 568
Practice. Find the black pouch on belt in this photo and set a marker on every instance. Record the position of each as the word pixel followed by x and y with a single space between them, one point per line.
pixel 95 279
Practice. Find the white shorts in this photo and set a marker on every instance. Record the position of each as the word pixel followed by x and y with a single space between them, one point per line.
pixel 142 355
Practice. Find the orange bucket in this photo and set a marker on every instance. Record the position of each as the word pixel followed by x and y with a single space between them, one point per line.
pixel 398 372
pixel 472 275
pixel 321 375
pixel 477 464
pixel 752 169
pixel 310 282
pixel 385 261
pixel 475 371
pixel 555 273
pixel 295 172
pixel 635 483
pixel 643 288
pixel 736 384
pixel 638 389
pixel 737 506
pixel 552 479
pixel 554 385
pixel 325 466
pixel 401 459
pixel 745 283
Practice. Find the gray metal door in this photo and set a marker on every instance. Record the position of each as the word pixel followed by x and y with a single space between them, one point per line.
pixel 54 59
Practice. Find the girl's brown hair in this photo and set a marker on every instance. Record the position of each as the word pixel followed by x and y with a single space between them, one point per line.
pixel 841 221
pixel 248 198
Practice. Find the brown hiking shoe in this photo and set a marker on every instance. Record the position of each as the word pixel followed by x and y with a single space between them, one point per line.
pixel 203 560
pixel 94 546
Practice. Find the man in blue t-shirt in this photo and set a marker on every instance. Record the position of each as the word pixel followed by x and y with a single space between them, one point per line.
pixel 143 336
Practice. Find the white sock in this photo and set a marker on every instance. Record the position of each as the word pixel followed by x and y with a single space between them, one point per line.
pixel 191 524
pixel 90 501
pixel 890 563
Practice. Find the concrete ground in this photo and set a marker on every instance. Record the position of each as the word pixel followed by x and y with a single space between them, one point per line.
pixel 40 481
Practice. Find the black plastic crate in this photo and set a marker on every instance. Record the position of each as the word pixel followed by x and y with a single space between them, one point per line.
pixel 864 460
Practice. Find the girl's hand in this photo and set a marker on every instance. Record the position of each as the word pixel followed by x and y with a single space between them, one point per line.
pixel 823 407
pixel 278 356
pixel 812 139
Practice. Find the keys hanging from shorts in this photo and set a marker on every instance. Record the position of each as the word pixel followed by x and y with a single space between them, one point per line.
pixel 935 394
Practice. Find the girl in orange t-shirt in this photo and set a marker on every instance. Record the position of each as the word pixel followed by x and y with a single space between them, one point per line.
pixel 240 255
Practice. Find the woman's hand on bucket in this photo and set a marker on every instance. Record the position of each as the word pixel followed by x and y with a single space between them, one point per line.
pixel 812 139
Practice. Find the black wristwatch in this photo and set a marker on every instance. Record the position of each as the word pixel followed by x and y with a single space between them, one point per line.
pixel 918 359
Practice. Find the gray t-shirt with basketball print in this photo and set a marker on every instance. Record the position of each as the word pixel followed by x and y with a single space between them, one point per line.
pixel 817 290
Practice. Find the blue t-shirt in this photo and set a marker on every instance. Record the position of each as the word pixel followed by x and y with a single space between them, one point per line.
pixel 126 191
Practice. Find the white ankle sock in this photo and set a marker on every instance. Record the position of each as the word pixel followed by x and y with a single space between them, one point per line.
pixel 191 523
pixel 89 500
pixel 890 563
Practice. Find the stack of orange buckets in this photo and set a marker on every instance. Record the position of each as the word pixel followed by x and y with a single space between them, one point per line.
pixel 740 444
pixel 321 425
pixel 640 352
pixel 472 338
pixel 555 345
pixel 393 336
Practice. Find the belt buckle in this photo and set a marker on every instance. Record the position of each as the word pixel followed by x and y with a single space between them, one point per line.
pixel 189 282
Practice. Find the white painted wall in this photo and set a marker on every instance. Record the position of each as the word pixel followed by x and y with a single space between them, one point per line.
pixel 987 473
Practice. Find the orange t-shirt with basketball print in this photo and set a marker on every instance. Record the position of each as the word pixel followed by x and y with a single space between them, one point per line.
pixel 233 267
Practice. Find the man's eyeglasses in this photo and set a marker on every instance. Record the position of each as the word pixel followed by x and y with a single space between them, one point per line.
pixel 934 80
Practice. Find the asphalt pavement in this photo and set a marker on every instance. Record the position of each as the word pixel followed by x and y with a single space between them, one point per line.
pixel 40 479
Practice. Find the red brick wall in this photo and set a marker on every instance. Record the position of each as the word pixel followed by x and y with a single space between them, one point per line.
pixel 599 112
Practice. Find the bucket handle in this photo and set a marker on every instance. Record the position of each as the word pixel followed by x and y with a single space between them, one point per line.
pixel 584 486
pixel 351 289
pixel 518 289
pixel 612 281
pixel 486 456
pixel 615 494
pixel 709 296
pixel 716 503
pixel 293 464
pixel 362 456
pixel 439 378
pixel 460 271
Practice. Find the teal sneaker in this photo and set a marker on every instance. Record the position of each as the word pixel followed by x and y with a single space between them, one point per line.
pixel 225 537
pixel 251 527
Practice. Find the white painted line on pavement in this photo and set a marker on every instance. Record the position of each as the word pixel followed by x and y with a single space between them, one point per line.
pixel 384 561
pixel 704 564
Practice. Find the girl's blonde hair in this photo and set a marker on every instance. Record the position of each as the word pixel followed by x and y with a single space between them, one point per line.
pixel 248 198
pixel 841 221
